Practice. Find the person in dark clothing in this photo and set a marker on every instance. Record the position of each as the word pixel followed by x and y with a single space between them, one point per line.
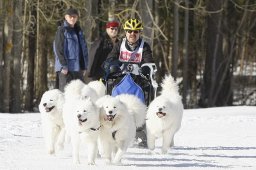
pixel 101 48
pixel 132 49
pixel 70 49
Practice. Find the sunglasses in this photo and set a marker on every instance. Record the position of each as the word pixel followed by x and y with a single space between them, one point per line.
pixel 114 28
pixel 130 31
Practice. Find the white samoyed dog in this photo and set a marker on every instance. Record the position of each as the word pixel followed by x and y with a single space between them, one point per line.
pixel 164 115
pixel 78 95
pixel 76 89
pixel 50 108
pixel 82 123
pixel 99 87
pixel 119 117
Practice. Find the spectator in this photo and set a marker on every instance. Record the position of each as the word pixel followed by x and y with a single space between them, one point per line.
pixel 70 49
pixel 101 48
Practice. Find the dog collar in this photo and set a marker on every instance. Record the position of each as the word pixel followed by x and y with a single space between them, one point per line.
pixel 96 128
pixel 93 129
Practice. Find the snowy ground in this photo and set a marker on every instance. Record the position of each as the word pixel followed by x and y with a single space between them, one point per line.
pixel 215 138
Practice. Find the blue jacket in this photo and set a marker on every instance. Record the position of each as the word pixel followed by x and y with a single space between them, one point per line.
pixel 70 48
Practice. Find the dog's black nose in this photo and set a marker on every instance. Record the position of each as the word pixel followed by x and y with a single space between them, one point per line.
pixel 44 104
pixel 110 112
pixel 160 109
pixel 78 116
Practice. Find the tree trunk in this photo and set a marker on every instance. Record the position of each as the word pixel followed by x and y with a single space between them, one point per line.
pixel 1 54
pixel 193 55
pixel 8 46
pixel 158 56
pixel 37 84
pixel 217 81
pixel 92 33
pixel 17 42
pixel 146 7
pixel 175 49
pixel 185 56
pixel 31 62
pixel 42 80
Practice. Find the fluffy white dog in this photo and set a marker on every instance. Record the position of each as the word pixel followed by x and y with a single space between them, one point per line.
pixel 82 123
pixel 76 89
pixel 79 95
pixel 50 108
pixel 119 117
pixel 164 115
pixel 99 87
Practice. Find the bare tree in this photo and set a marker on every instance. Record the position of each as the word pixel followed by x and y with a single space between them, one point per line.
pixel 175 48
pixel 29 94
pixel 17 44
pixel 7 53
pixel 203 41
pixel 217 79
pixel 92 32
pixel 42 80
pixel 1 53
pixel 185 55
pixel 146 8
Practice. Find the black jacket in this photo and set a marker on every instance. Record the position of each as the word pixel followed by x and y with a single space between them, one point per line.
pixel 99 52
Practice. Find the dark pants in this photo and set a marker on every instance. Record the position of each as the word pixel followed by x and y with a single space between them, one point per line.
pixel 63 80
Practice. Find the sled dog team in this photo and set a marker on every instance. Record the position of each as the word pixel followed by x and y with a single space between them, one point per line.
pixel 84 114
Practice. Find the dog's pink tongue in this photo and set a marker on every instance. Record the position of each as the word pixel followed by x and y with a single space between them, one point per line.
pixel 109 117
pixel 160 114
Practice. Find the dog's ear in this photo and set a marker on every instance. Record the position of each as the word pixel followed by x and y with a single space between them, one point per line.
pixel 83 97
pixel 88 98
pixel 102 110
pixel 102 100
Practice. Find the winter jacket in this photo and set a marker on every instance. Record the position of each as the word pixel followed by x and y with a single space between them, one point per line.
pixel 98 53
pixel 70 48
pixel 146 54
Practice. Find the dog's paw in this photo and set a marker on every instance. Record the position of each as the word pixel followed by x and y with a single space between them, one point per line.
pixel 107 161
pixel 59 147
pixel 152 152
pixel 51 151
pixel 117 163
pixel 76 161
pixel 163 151
pixel 91 163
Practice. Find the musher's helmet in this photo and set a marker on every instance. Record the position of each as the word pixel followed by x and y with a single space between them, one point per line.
pixel 133 24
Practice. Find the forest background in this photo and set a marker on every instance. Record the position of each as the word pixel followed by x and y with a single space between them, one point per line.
pixel 207 45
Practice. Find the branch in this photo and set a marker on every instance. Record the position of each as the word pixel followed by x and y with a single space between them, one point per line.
pixel 151 16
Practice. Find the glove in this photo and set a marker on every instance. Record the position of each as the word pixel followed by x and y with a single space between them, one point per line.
pixel 145 71
pixel 106 65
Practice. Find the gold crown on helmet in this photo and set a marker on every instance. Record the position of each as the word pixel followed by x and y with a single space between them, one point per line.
pixel 133 24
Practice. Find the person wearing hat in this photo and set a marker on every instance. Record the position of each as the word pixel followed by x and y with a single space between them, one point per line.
pixel 132 49
pixel 101 48
pixel 70 49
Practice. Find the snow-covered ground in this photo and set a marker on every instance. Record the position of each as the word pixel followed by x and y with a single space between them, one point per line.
pixel 213 138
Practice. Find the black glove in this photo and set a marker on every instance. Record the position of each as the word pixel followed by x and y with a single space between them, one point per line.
pixel 145 71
